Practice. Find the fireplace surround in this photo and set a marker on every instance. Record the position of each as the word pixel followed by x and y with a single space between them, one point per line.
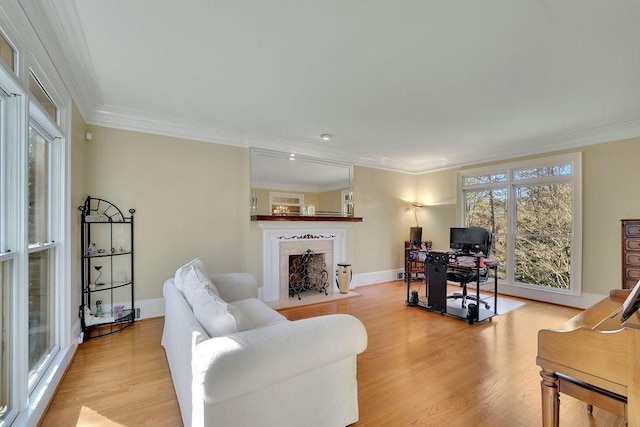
pixel 282 239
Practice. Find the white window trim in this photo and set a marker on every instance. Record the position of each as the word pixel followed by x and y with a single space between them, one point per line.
pixel 275 194
pixel 27 407
pixel 574 295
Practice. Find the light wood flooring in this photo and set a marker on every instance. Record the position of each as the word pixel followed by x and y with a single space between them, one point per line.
pixel 420 369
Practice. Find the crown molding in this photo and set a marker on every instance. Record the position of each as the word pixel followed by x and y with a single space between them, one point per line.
pixel 58 25
pixel 122 118
pixel 140 121
pixel 548 144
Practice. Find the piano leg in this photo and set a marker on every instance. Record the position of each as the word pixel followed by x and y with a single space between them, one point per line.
pixel 550 399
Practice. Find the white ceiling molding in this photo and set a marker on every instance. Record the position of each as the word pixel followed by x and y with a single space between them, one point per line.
pixel 139 121
pixel 567 141
pixel 121 118
pixel 58 26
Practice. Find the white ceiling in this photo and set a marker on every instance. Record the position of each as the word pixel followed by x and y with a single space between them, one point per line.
pixel 414 85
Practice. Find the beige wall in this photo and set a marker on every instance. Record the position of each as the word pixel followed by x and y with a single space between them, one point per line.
pixel 611 176
pixel 383 199
pixel 609 173
pixel 192 199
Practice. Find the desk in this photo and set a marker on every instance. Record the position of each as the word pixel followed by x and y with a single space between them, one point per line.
pixel 434 268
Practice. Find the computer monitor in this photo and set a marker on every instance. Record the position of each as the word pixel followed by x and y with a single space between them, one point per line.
pixel 415 235
pixel 470 240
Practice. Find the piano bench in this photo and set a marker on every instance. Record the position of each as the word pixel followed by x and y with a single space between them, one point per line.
pixel 593 396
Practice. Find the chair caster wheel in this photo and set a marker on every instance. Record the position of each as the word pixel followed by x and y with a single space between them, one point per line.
pixel 472 313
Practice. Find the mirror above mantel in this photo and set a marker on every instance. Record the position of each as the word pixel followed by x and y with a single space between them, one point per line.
pixel 286 187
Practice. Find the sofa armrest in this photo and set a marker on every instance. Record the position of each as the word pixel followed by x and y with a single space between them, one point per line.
pixel 235 286
pixel 231 366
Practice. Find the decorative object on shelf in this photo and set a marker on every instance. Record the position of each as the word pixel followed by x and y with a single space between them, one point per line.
pixel 309 210
pixel 107 306
pixel 343 277
pixel 99 270
pixel 117 311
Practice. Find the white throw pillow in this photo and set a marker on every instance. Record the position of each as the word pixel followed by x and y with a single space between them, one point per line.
pixel 242 320
pixel 181 272
pixel 192 275
pixel 214 317
pixel 196 286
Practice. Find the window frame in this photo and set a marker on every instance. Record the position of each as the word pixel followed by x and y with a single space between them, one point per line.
pixel 41 122
pixel 575 179
pixel 28 403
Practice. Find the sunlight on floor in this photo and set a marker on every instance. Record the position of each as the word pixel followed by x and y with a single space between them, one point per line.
pixel 88 417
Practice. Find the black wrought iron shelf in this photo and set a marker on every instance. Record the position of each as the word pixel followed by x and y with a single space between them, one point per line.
pixel 106 294
pixel 107 287
pixel 106 255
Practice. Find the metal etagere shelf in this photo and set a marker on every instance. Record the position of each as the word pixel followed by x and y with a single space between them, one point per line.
pixel 107 268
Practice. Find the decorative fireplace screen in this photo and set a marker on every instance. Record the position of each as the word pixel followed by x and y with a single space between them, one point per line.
pixel 307 271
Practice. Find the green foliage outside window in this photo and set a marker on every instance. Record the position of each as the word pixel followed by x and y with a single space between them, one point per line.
pixel 542 218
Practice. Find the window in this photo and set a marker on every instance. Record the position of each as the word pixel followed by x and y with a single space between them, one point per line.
pixel 42 97
pixel 5 326
pixel 533 210
pixel 8 257
pixel 41 291
pixel 7 53
pixel 285 203
pixel 35 311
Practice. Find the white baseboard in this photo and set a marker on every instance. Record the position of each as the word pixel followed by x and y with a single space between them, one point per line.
pixel 151 308
pixel 374 278
pixel 585 300
pixel 155 307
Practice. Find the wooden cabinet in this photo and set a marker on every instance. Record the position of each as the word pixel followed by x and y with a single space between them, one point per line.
pixel 630 252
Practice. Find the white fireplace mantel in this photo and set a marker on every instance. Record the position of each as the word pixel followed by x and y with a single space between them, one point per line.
pixel 275 233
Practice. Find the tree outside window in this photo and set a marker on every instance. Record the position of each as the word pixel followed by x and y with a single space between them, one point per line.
pixel 531 213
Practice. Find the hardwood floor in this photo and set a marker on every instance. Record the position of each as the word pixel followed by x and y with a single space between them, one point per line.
pixel 420 369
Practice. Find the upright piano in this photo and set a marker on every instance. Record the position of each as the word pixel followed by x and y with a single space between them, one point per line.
pixel 595 358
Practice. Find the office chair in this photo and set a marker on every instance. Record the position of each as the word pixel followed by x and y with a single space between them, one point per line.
pixel 468 242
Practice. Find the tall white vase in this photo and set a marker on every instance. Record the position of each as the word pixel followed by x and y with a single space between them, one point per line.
pixel 343 277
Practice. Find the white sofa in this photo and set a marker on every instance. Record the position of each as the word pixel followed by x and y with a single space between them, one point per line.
pixel 274 373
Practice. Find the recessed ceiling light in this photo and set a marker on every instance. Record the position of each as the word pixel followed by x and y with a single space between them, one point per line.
pixel 292 156
pixel 326 136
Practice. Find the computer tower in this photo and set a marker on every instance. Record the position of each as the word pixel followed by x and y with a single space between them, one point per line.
pixel 437 280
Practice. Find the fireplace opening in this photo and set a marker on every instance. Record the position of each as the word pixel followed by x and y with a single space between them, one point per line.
pixel 307 271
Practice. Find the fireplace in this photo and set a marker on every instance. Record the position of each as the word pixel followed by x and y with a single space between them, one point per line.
pixel 307 272
pixel 282 239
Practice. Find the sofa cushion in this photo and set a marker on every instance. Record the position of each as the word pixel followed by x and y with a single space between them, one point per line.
pixel 196 285
pixel 214 317
pixel 211 311
pixel 258 313
pixel 182 273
